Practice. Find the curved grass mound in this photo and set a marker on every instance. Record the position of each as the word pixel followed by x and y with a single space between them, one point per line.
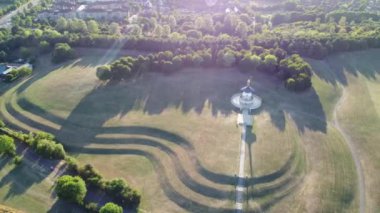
pixel 175 140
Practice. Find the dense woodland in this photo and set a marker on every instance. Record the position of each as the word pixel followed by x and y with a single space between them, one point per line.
pixel 246 38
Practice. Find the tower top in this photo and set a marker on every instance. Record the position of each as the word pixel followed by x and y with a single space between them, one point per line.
pixel 248 82
pixel 248 88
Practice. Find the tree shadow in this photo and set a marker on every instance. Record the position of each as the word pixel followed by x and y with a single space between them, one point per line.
pixel 61 206
pixel 334 68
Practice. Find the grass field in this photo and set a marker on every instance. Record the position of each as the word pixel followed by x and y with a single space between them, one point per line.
pixel 174 137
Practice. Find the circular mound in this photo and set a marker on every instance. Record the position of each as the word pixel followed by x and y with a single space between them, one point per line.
pixel 255 104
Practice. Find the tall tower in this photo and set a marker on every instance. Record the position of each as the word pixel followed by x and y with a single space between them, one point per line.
pixel 246 101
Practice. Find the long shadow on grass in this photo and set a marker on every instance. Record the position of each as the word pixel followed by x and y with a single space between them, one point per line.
pixel 32 170
pixel 177 91
pixel 334 68
pixel 169 190
pixel 152 132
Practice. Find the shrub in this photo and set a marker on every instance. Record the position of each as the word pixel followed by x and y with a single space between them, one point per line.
pixel 72 163
pixel 7 145
pixel 90 175
pixel 122 193
pixel 111 208
pixel 104 72
pixel 177 62
pixel 71 188
pixel 227 59
pixel 44 47
pixel 250 62
pixel 197 60
pixel 270 63
pixel 17 160
pixel 194 34
pixel 293 66
pixel 92 207
pixel 18 73
pixel 123 68
pixel 62 52
pixel 50 149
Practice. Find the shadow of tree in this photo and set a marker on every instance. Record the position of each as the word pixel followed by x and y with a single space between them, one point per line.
pixel 189 90
pixel 334 68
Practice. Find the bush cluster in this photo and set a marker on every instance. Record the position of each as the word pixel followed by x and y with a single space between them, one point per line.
pixel 296 72
pixel 256 58
pixel 45 145
pixel 7 145
pixel 13 5
pixel 118 189
pixel 17 73
pixel 62 52
pixel 71 188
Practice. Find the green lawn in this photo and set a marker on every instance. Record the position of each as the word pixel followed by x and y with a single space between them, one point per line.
pixel 25 187
pixel 174 137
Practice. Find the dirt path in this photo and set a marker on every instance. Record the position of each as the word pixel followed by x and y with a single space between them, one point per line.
pixel 350 143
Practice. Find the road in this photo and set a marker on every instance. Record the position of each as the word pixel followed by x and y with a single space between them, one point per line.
pixel 351 146
pixel 5 21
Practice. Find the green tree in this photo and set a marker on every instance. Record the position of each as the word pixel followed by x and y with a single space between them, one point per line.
pixel 111 208
pixel 250 62
pixel 165 31
pixel 62 52
pixel 7 145
pixel 3 56
pixel 93 27
pixel 62 24
pixel 104 72
pixel 242 29
pixel 270 63
pixel 114 28
pixel 71 188
pixel 44 47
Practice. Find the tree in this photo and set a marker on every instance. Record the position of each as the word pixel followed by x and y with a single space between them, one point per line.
pixel 71 188
pixel 7 145
pixel 135 30
pixel 165 31
pixel 194 34
pixel 62 24
pixel 172 21
pixel 270 63
pixel 242 29
pixel 3 56
pixel 44 47
pixel 228 59
pixel 93 27
pixel 250 62
pixel 26 52
pixel 158 31
pixel 104 72
pixel 50 149
pixel 62 52
pixel 114 28
pixel 111 208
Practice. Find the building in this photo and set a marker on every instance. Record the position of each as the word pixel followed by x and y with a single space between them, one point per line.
pixel 94 9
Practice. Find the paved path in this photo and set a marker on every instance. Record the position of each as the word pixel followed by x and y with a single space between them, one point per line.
pixel 349 142
pixel 240 187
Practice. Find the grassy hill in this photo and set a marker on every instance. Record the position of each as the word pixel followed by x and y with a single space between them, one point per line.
pixel 174 137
